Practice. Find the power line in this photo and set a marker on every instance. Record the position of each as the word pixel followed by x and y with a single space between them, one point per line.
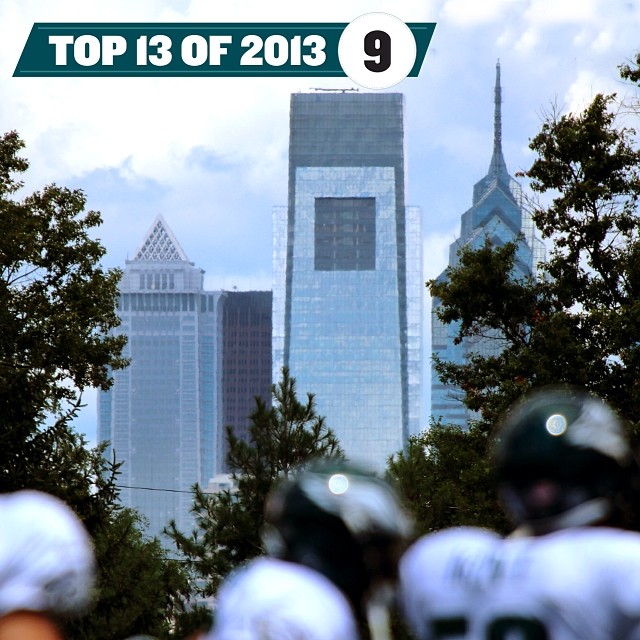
pixel 124 486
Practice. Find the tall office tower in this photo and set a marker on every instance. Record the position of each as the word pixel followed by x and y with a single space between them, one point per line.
pixel 497 214
pixel 164 415
pixel 246 361
pixel 348 271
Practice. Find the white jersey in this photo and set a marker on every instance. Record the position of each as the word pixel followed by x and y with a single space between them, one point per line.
pixel 270 599
pixel 46 557
pixel 575 584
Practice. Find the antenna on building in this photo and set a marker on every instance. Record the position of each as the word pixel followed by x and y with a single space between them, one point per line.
pixel 498 165
pixel 334 90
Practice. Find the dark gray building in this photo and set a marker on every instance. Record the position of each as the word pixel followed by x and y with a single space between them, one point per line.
pixel 246 360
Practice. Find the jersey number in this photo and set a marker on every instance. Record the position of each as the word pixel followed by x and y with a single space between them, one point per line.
pixel 501 628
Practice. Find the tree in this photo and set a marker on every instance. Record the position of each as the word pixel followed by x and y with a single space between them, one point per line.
pixel 577 321
pixel 57 309
pixel 141 590
pixel 282 437
pixel 445 478
pixel 57 312
pixel 631 71
pixel 580 322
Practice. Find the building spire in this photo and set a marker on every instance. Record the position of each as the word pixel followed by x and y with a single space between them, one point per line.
pixel 498 165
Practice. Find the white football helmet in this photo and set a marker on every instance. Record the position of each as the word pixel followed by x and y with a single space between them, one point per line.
pixel 46 556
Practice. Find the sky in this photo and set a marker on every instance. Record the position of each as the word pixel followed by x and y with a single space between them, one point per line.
pixel 210 154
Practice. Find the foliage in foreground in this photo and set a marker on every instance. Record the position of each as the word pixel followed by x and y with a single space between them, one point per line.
pixel 57 313
pixel 228 524
pixel 580 322
pixel 444 475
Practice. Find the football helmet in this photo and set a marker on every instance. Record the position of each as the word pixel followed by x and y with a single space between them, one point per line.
pixel 561 459
pixel 342 521
pixel 46 557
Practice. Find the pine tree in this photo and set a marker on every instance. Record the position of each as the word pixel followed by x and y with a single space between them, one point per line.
pixel 282 437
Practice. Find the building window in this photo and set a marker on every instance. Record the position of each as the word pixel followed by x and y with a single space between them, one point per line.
pixel 345 234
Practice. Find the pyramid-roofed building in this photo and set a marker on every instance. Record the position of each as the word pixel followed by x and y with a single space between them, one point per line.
pixel 198 360
pixel 160 245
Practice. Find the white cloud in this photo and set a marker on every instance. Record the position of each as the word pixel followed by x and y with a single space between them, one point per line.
pixel 436 250
pixel 582 91
pixel 152 124
pixel 604 41
pixel 526 42
pixel 548 12
pixel 290 11
pixel 470 13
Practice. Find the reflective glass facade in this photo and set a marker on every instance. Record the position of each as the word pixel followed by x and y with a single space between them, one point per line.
pixel 165 414
pixel 496 213
pixel 160 414
pixel 347 271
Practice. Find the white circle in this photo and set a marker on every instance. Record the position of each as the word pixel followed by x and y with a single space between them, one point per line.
pixel 338 484
pixel 556 424
pixel 391 56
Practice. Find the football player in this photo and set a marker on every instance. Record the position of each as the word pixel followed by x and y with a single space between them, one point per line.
pixel 46 566
pixel 563 466
pixel 334 535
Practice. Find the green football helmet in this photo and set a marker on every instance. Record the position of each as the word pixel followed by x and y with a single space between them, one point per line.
pixel 342 521
pixel 561 459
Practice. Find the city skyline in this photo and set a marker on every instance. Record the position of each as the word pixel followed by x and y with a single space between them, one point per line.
pixel 211 154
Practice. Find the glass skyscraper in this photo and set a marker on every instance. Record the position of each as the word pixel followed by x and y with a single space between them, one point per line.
pixel 348 271
pixel 165 414
pixel 496 213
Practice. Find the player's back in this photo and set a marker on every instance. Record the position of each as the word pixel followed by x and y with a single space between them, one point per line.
pixel 575 584
pixel 271 599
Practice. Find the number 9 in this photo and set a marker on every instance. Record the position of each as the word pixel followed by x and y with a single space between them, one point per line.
pixel 377 44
